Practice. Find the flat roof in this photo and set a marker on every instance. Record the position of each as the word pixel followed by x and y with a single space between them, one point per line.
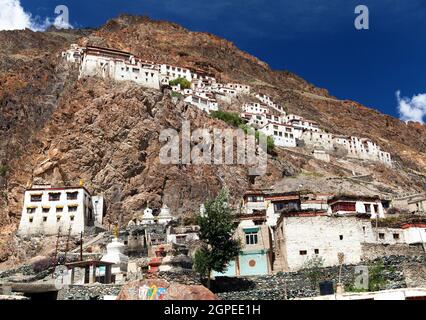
pixel 88 263
pixel 57 189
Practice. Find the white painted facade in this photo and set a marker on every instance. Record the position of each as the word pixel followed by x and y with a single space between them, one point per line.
pixel 318 139
pixel 49 211
pixel 342 207
pixel 203 103
pixel 238 87
pixel 255 108
pixel 170 72
pixel 301 238
pixel 282 134
pixel 98 203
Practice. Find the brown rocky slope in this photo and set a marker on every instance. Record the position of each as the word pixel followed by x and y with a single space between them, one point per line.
pixel 55 128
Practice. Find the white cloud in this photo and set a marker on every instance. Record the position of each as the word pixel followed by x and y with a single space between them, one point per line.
pixel 14 17
pixel 413 109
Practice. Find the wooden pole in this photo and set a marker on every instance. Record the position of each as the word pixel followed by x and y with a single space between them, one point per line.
pixel 81 246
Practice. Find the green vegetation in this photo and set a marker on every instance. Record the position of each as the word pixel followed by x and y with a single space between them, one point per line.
pixel 216 232
pixel 234 119
pixel 376 276
pixel 3 170
pixel 184 84
pixel 230 118
pixel 176 94
pixel 313 270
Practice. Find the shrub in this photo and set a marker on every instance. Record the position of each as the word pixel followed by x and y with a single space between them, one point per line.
pixel 184 84
pixel 230 118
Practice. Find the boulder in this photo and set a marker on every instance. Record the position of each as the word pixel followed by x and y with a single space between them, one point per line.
pixel 159 289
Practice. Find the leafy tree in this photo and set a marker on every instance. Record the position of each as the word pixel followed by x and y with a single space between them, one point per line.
pixel 313 270
pixel 217 226
pixel 376 276
pixel 270 144
pixel 184 84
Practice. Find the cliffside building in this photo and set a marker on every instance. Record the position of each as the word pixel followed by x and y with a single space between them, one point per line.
pixel 49 211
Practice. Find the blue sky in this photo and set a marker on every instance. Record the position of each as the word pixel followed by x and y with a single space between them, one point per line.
pixel 314 39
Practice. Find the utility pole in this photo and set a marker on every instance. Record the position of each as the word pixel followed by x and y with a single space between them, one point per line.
pixel 67 244
pixel 81 246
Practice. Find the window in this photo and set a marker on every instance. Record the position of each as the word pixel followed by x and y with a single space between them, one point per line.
pixel 36 198
pixel 381 236
pixel 54 196
pixel 72 195
pixel 367 208
pixel 45 210
pixel 58 218
pixel 251 237
pixel 303 252
pixel 59 209
pixel 44 219
pixel 71 218
pixel 180 239
pixel 341 237
pixel 31 219
pixel 72 208
pixel 316 251
pixel 31 210
pixel 396 236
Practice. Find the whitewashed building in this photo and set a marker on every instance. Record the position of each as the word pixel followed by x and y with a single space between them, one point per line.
pixel 238 87
pixel 282 134
pixel 409 233
pixel 74 54
pixel 170 72
pixel 118 65
pixel 255 108
pixel 49 211
pixel 300 238
pixel 317 139
pixel 202 102
pixel 346 205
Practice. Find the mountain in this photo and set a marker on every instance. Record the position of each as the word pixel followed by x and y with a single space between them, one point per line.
pixel 57 129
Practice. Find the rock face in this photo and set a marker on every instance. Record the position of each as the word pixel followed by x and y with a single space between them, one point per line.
pixel 57 129
pixel 158 289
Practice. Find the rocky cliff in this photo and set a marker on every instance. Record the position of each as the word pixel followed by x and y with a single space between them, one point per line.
pixel 57 129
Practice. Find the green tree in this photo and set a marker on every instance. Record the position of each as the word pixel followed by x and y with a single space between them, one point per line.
pixel 217 227
pixel 230 118
pixel 184 84
pixel 313 270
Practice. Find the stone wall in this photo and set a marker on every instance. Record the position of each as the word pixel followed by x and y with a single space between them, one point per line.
pixel 371 251
pixel 400 272
pixel 88 292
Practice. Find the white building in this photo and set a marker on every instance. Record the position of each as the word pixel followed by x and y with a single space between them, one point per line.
pixel 99 209
pixel 282 134
pixel 238 87
pixel 49 211
pixel 74 54
pixel 318 139
pixel 173 72
pixel 255 108
pixel 119 66
pixel 202 102
pixel 300 238
pixel 362 148
pixel 356 205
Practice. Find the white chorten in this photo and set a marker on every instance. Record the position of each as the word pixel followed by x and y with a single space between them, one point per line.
pixel 148 217
pixel 115 254
pixel 164 217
